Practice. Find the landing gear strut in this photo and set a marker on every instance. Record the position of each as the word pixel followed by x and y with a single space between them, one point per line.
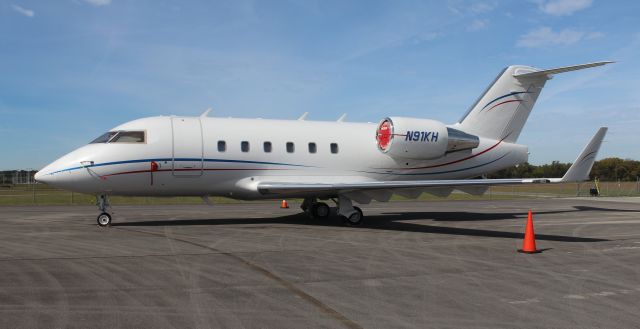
pixel 104 219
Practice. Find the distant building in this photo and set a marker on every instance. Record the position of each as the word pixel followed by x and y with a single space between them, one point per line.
pixel 9 177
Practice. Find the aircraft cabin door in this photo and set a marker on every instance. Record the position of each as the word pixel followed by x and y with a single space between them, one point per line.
pixel 187 147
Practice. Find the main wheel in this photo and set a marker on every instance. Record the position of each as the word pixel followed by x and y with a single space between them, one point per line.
pixel 355 218
pixel 320 210
pixel 104 219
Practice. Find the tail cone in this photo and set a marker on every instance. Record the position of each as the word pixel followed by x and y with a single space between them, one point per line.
pixel 529 243
pixel 284 204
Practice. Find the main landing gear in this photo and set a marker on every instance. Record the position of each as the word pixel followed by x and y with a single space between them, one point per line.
pixel 315 209
pixel 350 215
pixel 104 219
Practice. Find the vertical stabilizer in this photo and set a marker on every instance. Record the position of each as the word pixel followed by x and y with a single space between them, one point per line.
pixel 501 112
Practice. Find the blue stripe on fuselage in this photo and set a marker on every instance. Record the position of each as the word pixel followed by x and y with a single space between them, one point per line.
pixel 178 159
pixel 503 96
pixel 269 163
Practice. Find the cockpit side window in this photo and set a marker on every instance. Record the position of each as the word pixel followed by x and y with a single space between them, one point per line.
pixel 128 137
pixel 121 136
pixel 104 137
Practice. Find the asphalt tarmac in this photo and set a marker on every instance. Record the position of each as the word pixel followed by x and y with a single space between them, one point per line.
pixel 450 264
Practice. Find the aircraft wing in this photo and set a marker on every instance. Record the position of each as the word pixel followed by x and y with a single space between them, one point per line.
pixel 295 188
pixel 579 171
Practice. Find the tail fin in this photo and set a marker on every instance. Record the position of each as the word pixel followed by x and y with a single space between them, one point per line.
pixel 501 112
pixel 580 169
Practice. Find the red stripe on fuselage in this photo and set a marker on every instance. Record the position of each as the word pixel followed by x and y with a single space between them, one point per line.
pixel 505 102
pixel 186 169
pixel 460 160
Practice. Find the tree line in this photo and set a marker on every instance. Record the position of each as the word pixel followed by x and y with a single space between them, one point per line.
pixel 609 169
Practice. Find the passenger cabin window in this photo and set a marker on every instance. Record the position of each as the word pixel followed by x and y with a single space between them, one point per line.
pixel 267 147
pixel 244 146
pixel 313 148
pixel 334 148
pixel 222 146
pixel 290 147
pixel 122 136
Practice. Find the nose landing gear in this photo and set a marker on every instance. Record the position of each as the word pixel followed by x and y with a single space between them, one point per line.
pixel 104 219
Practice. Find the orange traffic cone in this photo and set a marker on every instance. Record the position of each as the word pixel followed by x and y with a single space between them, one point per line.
pixel 529 243
pixel 284 204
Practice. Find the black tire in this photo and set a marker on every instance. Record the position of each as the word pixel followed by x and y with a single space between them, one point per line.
pixel 104 219
pixel 355 218
pixel 320 210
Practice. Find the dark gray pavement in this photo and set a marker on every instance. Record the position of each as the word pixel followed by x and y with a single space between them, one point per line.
pixel 450 264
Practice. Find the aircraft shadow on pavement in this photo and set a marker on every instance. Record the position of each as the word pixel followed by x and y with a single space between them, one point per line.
pixel 387 222
pixel 459 216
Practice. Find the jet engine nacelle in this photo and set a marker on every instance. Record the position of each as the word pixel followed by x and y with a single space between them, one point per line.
pixel 421 139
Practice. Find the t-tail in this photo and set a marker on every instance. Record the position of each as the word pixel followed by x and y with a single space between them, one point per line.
pixel 502 110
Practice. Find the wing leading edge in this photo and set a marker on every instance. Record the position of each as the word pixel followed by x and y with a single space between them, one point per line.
pixel 579 171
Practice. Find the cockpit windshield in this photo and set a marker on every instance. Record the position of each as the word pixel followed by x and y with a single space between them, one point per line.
pixel 104 137
pixel 122 136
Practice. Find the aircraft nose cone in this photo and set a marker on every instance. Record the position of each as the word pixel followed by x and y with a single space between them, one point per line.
pixel 41 177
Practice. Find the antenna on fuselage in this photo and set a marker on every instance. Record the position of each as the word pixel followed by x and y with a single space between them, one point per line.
pixel 303 116
pixel 342 117
pixel 206 113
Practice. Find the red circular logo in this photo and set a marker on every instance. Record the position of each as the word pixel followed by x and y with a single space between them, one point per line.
pixel 384 134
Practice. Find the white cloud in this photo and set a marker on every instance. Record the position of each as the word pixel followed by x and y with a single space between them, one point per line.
pixel 98 3
pixel 563 7
pixel 482 7
pixel 594 35
pixel 478 24
pixel 23 11
pixel 461 7
pixel 545 36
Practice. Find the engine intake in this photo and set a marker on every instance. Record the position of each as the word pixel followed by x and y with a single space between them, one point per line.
pixel 421 139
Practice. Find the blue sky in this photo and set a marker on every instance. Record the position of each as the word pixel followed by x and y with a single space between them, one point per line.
pixel 72 69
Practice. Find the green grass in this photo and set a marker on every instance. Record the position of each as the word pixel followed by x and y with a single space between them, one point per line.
pixel 19 195
pixel 38 194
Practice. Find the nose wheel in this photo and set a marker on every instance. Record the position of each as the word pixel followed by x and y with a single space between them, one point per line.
pixel 104 219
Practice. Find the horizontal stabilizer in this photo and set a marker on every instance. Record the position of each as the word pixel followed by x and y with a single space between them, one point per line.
pixel 529 74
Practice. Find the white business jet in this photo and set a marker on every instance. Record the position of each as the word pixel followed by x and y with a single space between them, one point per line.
pixel 341 161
